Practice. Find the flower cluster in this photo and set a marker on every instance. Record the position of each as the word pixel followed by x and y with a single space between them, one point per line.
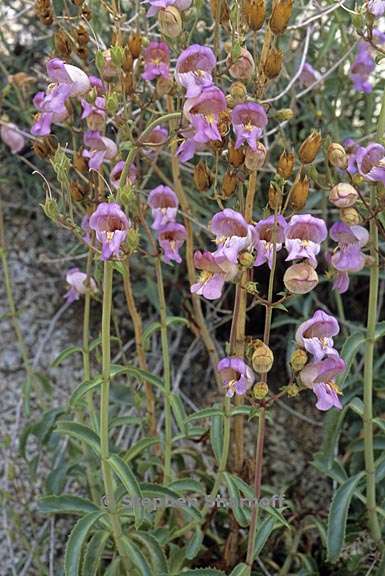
pixel 111 226
pixel 364 63
pixel 164 207
pixel 315 336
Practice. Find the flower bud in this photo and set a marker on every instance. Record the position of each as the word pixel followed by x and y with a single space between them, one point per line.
pixel 275 197
pixel 253 12
pixel 300 278
pixel 229 184
pixel 337 156
pixel 299 193
pixel 350 216
pixel 260 390
pixel 292 390
pixel 170 21
pixel 135 45
pixel 280 16
pixel 246 259
pixel 242 67
pixel 262 358
pixel 236 155
pixel 284 114
pixel 50 209
pixel 298 359
pixel 343 195
pixel 238 92
pixel 63 45
pixel 255 159
pixel 202 176
pixel 310 147
pixel 286 164
pixel 273 63
pixel 357 179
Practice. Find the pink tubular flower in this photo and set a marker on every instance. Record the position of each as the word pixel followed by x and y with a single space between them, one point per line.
pixel 71 76
pixel 52 108
pixel 347 257
pixel 156 5
pixel 116 173
pixel 94 113
pixel 98 84
pixel 370 162
pixel 362 67
pixel 164 205
pixel 194 69
pixel 308 75
pixel 264 238
pixel 237 376
pixel 154 140
pixel 248 122
pixel 233 234
pixel 101 148
pixel 304 235
pixel 12 137
pixel 376 7
pixel 78 285
pixel 203 113
pixel 171 238
pixel 320 377
pixel 156 60
pixel 315 335
pixel 216 270
pixel 111 225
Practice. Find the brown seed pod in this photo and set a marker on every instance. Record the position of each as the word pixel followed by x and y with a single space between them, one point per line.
pixel 78 191
pixel 62 43
pixel 253 13
pixel 299 193
pixel 135 45
pixel 43 11
pixel 337 156
pixel 170 21
pixel 229 184
pixel 280 16
pixel 202 176
pixel 238 92
pixel 236 155
pixel 45 147
pixel 80 163
pixel 128 60
pixel 82 36
pixel 262 358
pixel 310 148
pixel 273 63
pixel 224 15
pixel 286 164
pixel 275 197
pixel 82 52
pixel 224 122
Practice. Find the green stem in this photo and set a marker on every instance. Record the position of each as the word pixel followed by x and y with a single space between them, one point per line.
pixel 166 373
pixel 86 345
pixel 104 414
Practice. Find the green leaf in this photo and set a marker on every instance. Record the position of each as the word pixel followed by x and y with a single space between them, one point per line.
pixel 76 540
pixel 186 485
pixel 139 446
pixel 216 436
pixel 126 476
pixel 240 514
pixel 203 572
pixel 263 532
pixel 155 552
pixel 113 568
pixel 194 544
pixel 65 354
pixel 240 570
pixel 66 504
pixel 94 552
pixel 136 557
pixel 338 516
pixel 82 433
pixel 154 326
pixel 179 413
pixel 126 421
pixel 332 427
pixel 205 413
pixel 348 353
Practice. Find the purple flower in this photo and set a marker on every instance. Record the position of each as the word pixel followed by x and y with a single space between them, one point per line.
pixel 320 377
pixel 78 285
pixel 233 234
pixel 12 137
pixel 94 113
pixel 376 7
pixel 370 162
pixel 154 140
pixel 352 148
pixel 116 173
pixel 237 376
pixel 315 335
pixel 71 76
pixel 156 60
pixel 171 238
pixel 164 205
pixel 304 235
pixel 101 148
pixel 264 238
pixel 362 67
pixel 347 257
pixel 156 5
pixel 203 113
pixel 248 122
pixel 111 225
pixel 308 75
pixel 216 270
pixel 98 84
pixel 52 108
pixel 194 69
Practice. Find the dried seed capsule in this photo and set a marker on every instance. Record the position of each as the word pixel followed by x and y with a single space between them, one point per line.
pixel 236 155
pixel 310 148
pixel 63 45
pixel 300 278
pixel 286 164
pixel 280 16
pixel 350 216
pixel 260 390
pixel 262 358
pixel 238 92
pixel 135 45
pixel 343 195
pixel 78 191
pixel 128 60
pixel 255 159
pixel 298 359
pixel 224 122
pixel 253 12
pixel 337 156
pixel 275 197
pixel 82 36
pixel 229 184
pixel 170 21
pixel 299 193
pixel 45 147
pixel 80 162
pixel 273 63
pixel 224 11
pixel 202 176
